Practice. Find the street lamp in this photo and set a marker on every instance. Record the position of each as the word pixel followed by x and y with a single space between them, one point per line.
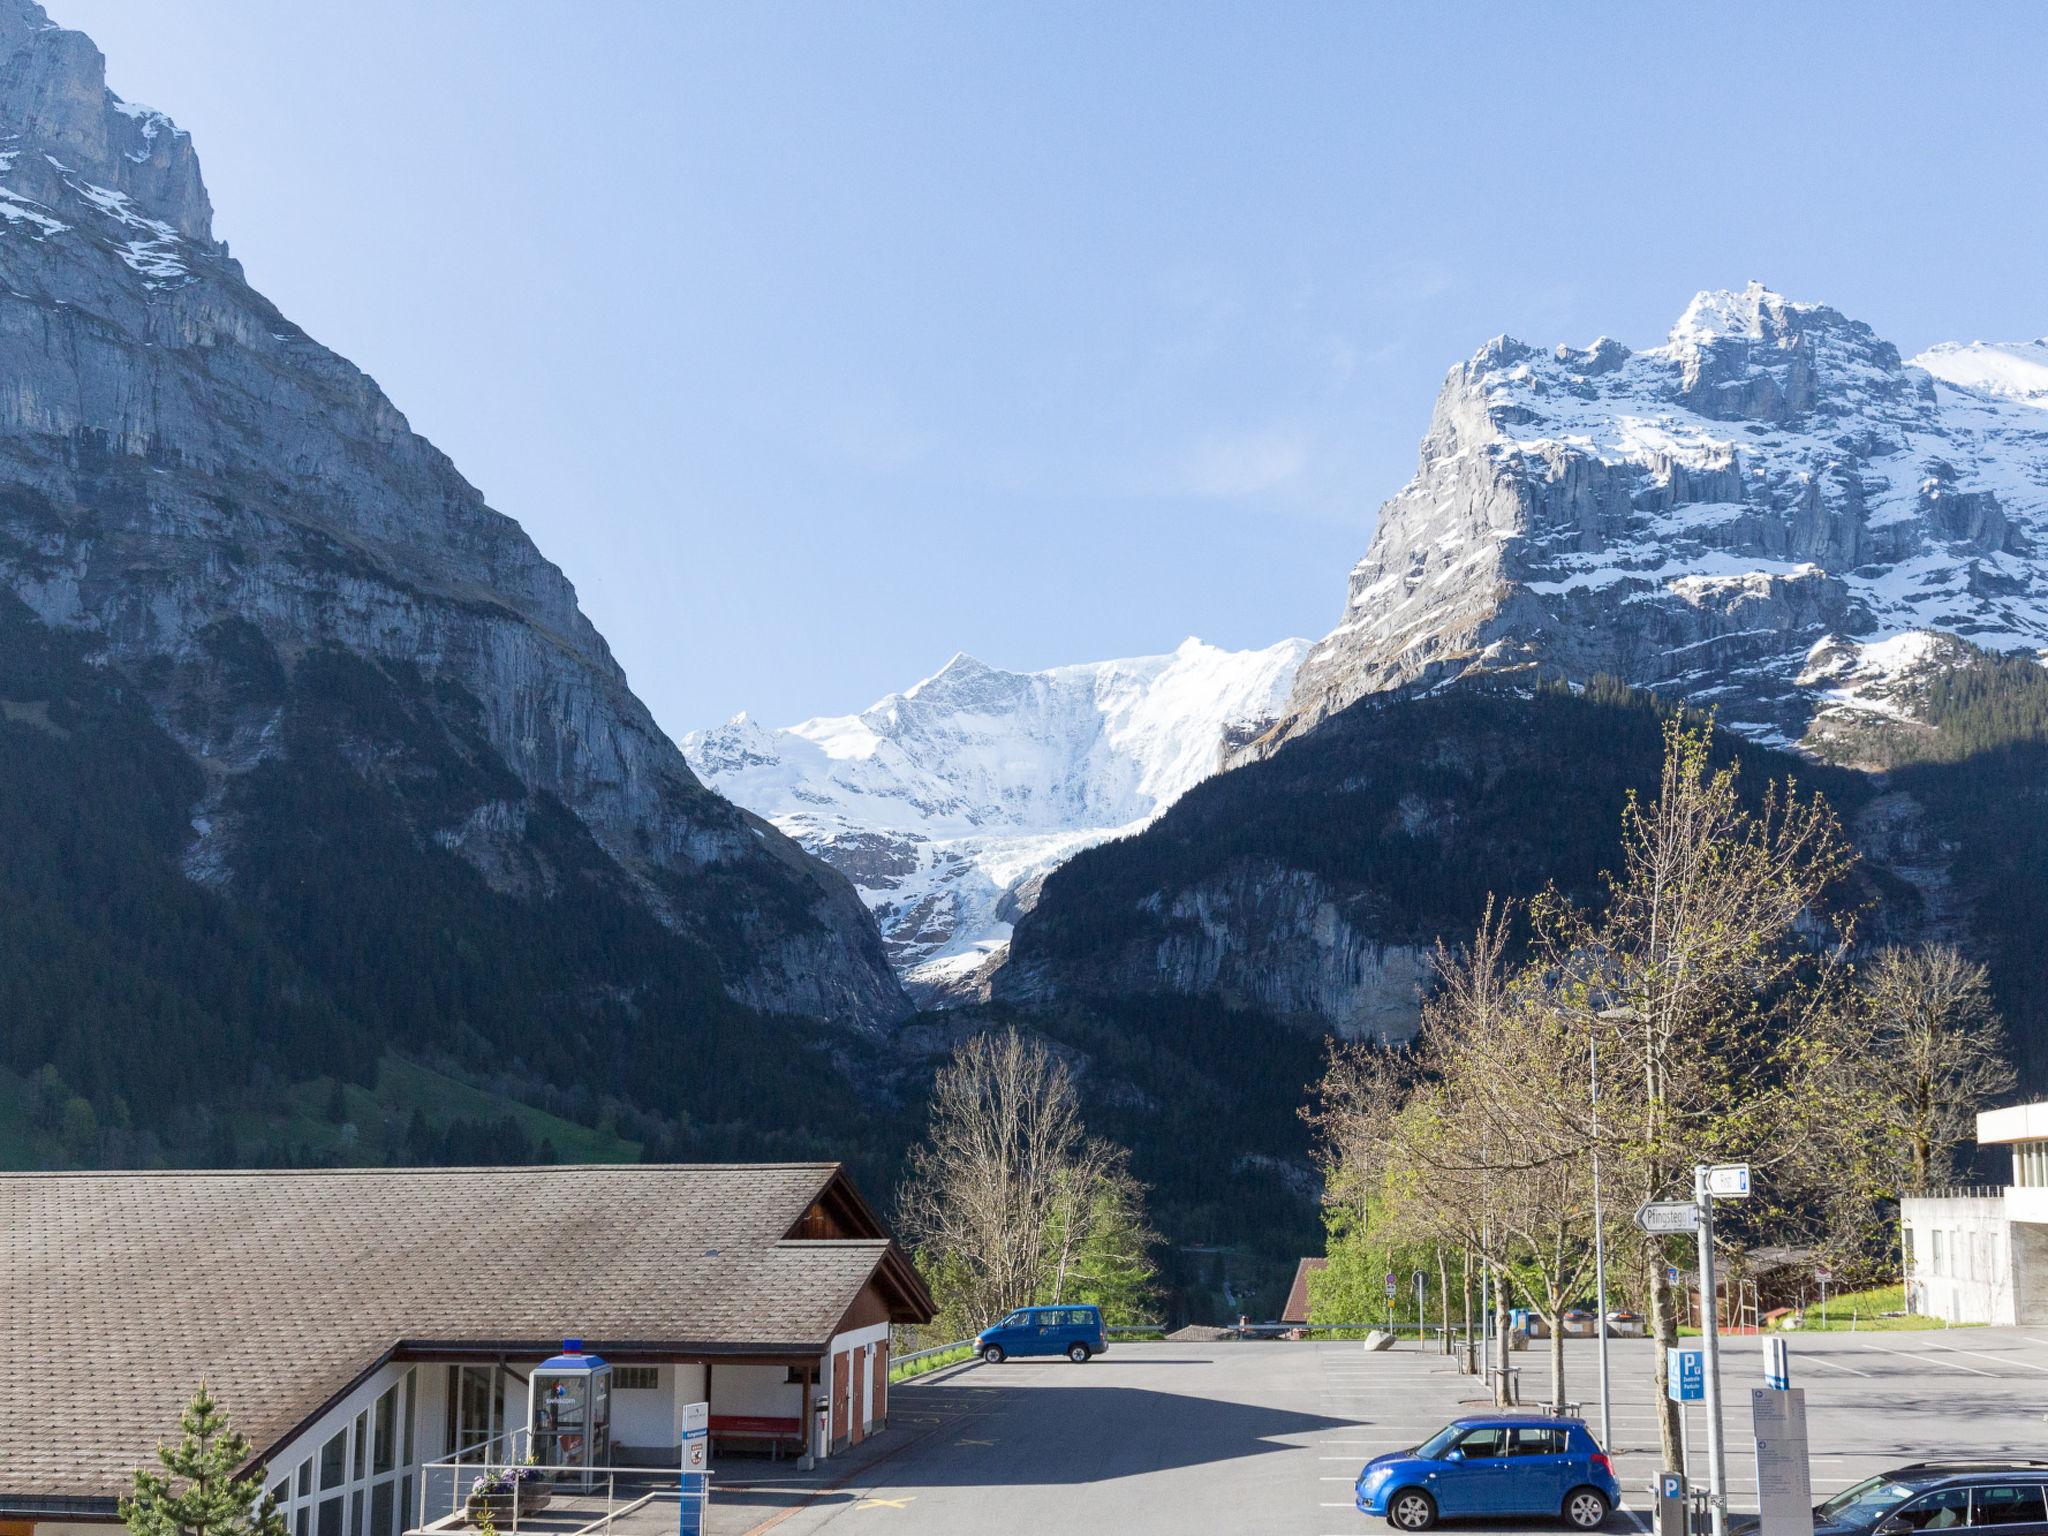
pixel 1605 1016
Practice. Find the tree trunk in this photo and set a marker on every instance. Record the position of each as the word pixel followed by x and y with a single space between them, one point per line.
pixel 1556 1322
pixel 1501 1397
pixel 1664 1325
pixel 1465 1311
pixel 1443 1283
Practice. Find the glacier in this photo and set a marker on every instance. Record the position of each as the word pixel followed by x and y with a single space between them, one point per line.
pixel 947 804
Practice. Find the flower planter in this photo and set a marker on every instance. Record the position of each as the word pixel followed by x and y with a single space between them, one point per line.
pixel 532 1497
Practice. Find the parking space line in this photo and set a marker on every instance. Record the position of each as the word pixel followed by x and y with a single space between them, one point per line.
pixel 1987 1355
pixel 1928 1354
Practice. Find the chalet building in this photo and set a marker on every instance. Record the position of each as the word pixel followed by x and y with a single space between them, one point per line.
pixel 361 1325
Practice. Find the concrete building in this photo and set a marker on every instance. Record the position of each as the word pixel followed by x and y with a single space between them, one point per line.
pixel 1980 1254
pixel 362 1325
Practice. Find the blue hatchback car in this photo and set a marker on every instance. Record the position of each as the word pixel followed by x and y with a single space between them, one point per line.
pixel 1512 1465
pixel 1075 1332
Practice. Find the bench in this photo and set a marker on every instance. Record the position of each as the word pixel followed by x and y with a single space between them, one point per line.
pixel 778 1432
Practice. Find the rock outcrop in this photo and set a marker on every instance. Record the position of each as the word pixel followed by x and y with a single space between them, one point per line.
pixel 179 463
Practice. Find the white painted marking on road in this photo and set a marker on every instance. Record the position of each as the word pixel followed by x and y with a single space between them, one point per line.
pixel 1833 1365
pixel 1987 1355
pixel 1923 1354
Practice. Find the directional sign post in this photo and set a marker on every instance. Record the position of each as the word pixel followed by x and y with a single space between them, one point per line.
pixel 1728 1181
pixel 1668 1216
pixel 696 1468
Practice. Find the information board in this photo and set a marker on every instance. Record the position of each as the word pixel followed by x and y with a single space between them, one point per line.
pixel 1685 1375
pixel 1784 1480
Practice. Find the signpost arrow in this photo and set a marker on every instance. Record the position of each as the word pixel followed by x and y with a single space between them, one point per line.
pixel 1669 1216
pixel 1728 1181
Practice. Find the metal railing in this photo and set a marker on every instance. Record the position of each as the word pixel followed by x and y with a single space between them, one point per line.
pixel 514 1489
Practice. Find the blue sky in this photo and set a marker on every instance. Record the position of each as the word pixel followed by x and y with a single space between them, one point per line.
pixel 816 342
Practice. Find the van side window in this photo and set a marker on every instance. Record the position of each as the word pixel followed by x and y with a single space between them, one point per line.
pixel 2007 1506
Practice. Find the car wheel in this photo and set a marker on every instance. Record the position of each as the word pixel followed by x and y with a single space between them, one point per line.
pixel 1585 1509
pixel 1078 1353
pixel 993 1355
pixel 1411 1510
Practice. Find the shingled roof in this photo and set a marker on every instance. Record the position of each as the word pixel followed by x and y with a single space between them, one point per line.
pixel 120 1291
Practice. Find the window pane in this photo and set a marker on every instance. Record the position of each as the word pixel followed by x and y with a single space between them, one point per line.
pixel 330 1516
pixel 387 1416
pixel 1937 1511
pixel 2007 1506
pixel 406 1511
pixel 334 1462
pixel 411 1391
pixel 357 1475
pixel 380 1510
pixel 305 1477
pixel 355 1513
pixel 304 1515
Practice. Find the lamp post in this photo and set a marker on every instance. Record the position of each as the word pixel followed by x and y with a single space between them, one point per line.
pixel 1606 1016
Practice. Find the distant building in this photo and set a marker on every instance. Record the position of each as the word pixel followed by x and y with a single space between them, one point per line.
pixel 1296 1310
pixel 1980 1255
pixel 360 1324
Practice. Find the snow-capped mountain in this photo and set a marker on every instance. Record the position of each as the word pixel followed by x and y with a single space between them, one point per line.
pixel 948 803
pixel 1758 514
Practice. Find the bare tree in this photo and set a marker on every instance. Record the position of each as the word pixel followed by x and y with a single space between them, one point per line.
pixel 1935 1054
pixel 1701 977
pixel 1006 1191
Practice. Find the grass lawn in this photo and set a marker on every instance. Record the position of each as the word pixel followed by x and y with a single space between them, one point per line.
pixel 936 1362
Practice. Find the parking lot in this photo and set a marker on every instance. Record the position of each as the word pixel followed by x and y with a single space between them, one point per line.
pixel 1266 1437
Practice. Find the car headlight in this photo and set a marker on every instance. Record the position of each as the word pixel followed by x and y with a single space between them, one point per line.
pixel 1373 1475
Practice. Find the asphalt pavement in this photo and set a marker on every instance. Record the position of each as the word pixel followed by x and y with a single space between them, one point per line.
pixel 1260 1438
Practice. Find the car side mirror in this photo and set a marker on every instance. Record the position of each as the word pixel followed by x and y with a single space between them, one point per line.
pixel 1454 1455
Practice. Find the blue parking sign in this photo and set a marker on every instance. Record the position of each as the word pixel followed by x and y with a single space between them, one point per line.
pixel 1685 1375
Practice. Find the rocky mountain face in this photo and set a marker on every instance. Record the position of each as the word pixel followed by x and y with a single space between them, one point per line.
pixel 1753 515
pixel 206 494
pixel 949 803
pixel 1772 514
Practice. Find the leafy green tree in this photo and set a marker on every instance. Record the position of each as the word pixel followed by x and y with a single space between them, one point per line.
pixel 199 1493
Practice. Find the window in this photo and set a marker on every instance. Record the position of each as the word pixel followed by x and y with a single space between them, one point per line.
pixel 635 1378
pixel 1484 1442
pixel 1937 1511
pixel 380 1510
pixel 334 1463
pixel 2021 1505
pixel 330 1516
pixel 1940 1267
pixel 386 1422
pixel 1535 1440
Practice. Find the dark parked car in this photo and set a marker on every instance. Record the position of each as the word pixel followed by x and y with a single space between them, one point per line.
pixel 1490 1466
pixel 1935 1496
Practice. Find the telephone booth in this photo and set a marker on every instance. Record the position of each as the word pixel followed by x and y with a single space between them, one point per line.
pixel 569 1410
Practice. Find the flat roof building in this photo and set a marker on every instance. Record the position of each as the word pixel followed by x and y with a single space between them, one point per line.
pixel 359 1324
pixel 1980 1254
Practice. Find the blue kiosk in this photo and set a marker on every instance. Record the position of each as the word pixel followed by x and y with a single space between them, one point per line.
pixel 569 1411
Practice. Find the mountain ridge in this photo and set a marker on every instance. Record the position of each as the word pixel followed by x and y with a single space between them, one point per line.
pixel 176 456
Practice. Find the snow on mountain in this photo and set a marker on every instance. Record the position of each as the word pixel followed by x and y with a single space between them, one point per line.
pixel 948 803
pixel 1771 486
pixel 2011 370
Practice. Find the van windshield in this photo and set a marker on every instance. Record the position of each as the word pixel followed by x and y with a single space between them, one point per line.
pixel 1865 1502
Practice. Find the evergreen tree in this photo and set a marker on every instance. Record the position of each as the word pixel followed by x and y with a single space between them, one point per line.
pixel 198 1493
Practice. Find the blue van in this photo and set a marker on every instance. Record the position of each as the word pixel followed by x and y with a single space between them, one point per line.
pixel 1075 1332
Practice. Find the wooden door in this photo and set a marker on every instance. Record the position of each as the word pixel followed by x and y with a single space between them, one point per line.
pixel 881 1414
pixel 860 1394
pixel 841 1383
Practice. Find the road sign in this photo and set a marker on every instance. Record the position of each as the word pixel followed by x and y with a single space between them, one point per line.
pixel 1685 1375
pixel 1392 1285
pixel 1823 1276
pixel 1671 1274
pixel 1669 1216
pixel 1728 1181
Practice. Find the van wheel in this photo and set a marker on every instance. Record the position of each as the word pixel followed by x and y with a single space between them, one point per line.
pixel 1411 1510
pixel 1078 1353
pixel 1585 1509
pixel 993 1355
